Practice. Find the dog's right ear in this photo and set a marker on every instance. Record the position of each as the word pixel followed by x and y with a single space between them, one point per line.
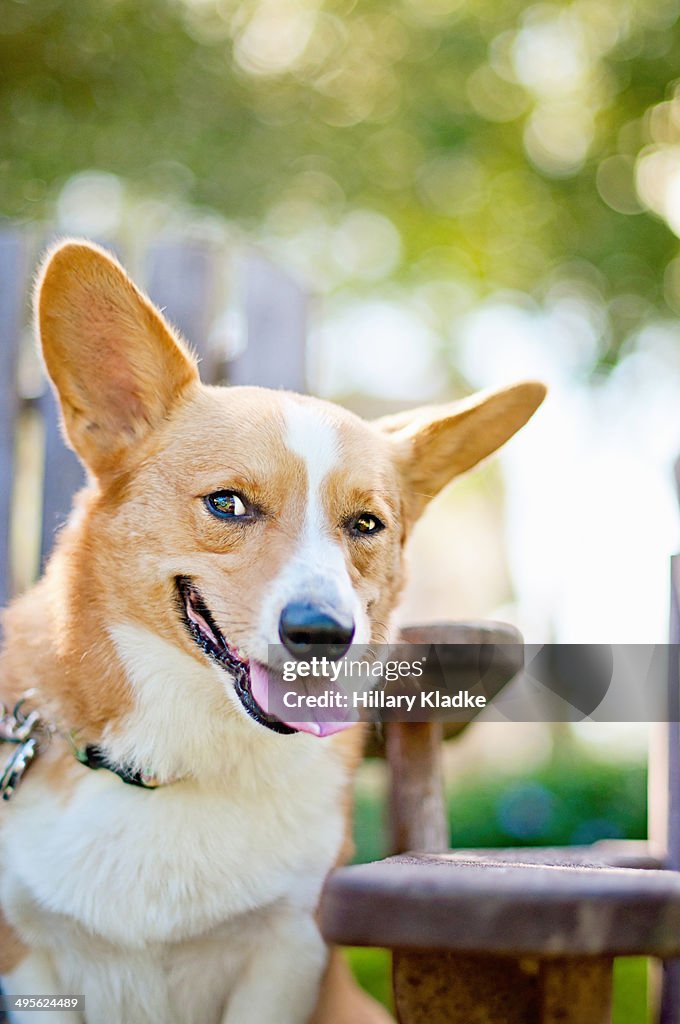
pixel 115 363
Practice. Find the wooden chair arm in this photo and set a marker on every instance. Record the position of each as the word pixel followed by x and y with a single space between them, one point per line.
pixel 520 903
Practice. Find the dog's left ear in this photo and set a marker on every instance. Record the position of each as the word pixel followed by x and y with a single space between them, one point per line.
pixel 437 443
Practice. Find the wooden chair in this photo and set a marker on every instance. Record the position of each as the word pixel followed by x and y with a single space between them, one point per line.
pixel 516 936
pixel 477 937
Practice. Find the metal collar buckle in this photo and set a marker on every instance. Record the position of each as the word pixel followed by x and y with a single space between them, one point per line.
pixel 24 731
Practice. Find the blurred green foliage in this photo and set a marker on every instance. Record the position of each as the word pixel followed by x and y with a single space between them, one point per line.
pixel 502 141
pixel 567 801
pixel 560 804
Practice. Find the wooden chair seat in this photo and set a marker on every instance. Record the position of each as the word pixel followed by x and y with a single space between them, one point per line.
pixel 507 936
pixel 540 903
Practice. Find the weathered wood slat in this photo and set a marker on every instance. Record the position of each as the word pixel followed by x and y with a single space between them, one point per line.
pixel 13 276
pixel 575 992
pixel 667 788
pixel 673 727
pixel 446 988
pixel 473 904
pixel 182 281
pixel 449 988
pixel 63 475
pixel 664 791
pixel 664 768
pixel 276 310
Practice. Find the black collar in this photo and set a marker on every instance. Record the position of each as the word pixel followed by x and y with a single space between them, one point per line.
pixel 29 733
pixel 94 757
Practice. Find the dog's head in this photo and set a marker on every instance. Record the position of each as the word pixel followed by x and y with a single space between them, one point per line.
pixel 227 520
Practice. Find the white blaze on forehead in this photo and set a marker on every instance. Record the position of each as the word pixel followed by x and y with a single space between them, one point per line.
pixel 311 436
pixel 317 571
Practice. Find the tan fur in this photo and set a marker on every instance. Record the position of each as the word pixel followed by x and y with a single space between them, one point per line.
pixel 12 949
pixel 342 1001
pixel 437 443
pixel 155 442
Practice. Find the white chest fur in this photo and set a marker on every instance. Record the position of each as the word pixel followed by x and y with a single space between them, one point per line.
pixel 151 869
pixel 138 866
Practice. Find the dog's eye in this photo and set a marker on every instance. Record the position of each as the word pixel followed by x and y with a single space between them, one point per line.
pixel 366 523
pixel 226 505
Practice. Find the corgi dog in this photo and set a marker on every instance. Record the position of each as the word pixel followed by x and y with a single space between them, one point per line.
pixel 164 853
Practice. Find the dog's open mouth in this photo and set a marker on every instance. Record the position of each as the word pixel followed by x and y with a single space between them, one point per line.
pixel 205 632
pixel 252 680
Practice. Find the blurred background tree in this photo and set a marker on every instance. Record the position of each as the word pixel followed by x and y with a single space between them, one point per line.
pixel 480 190
pixel 495 145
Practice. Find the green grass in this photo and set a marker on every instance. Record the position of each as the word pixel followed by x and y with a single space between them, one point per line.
pixel 372 969
pixel 630 991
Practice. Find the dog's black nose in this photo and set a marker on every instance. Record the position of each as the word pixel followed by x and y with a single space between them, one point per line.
pixel 303 626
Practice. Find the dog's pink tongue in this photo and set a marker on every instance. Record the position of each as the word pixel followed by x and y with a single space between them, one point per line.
pixel 260 682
